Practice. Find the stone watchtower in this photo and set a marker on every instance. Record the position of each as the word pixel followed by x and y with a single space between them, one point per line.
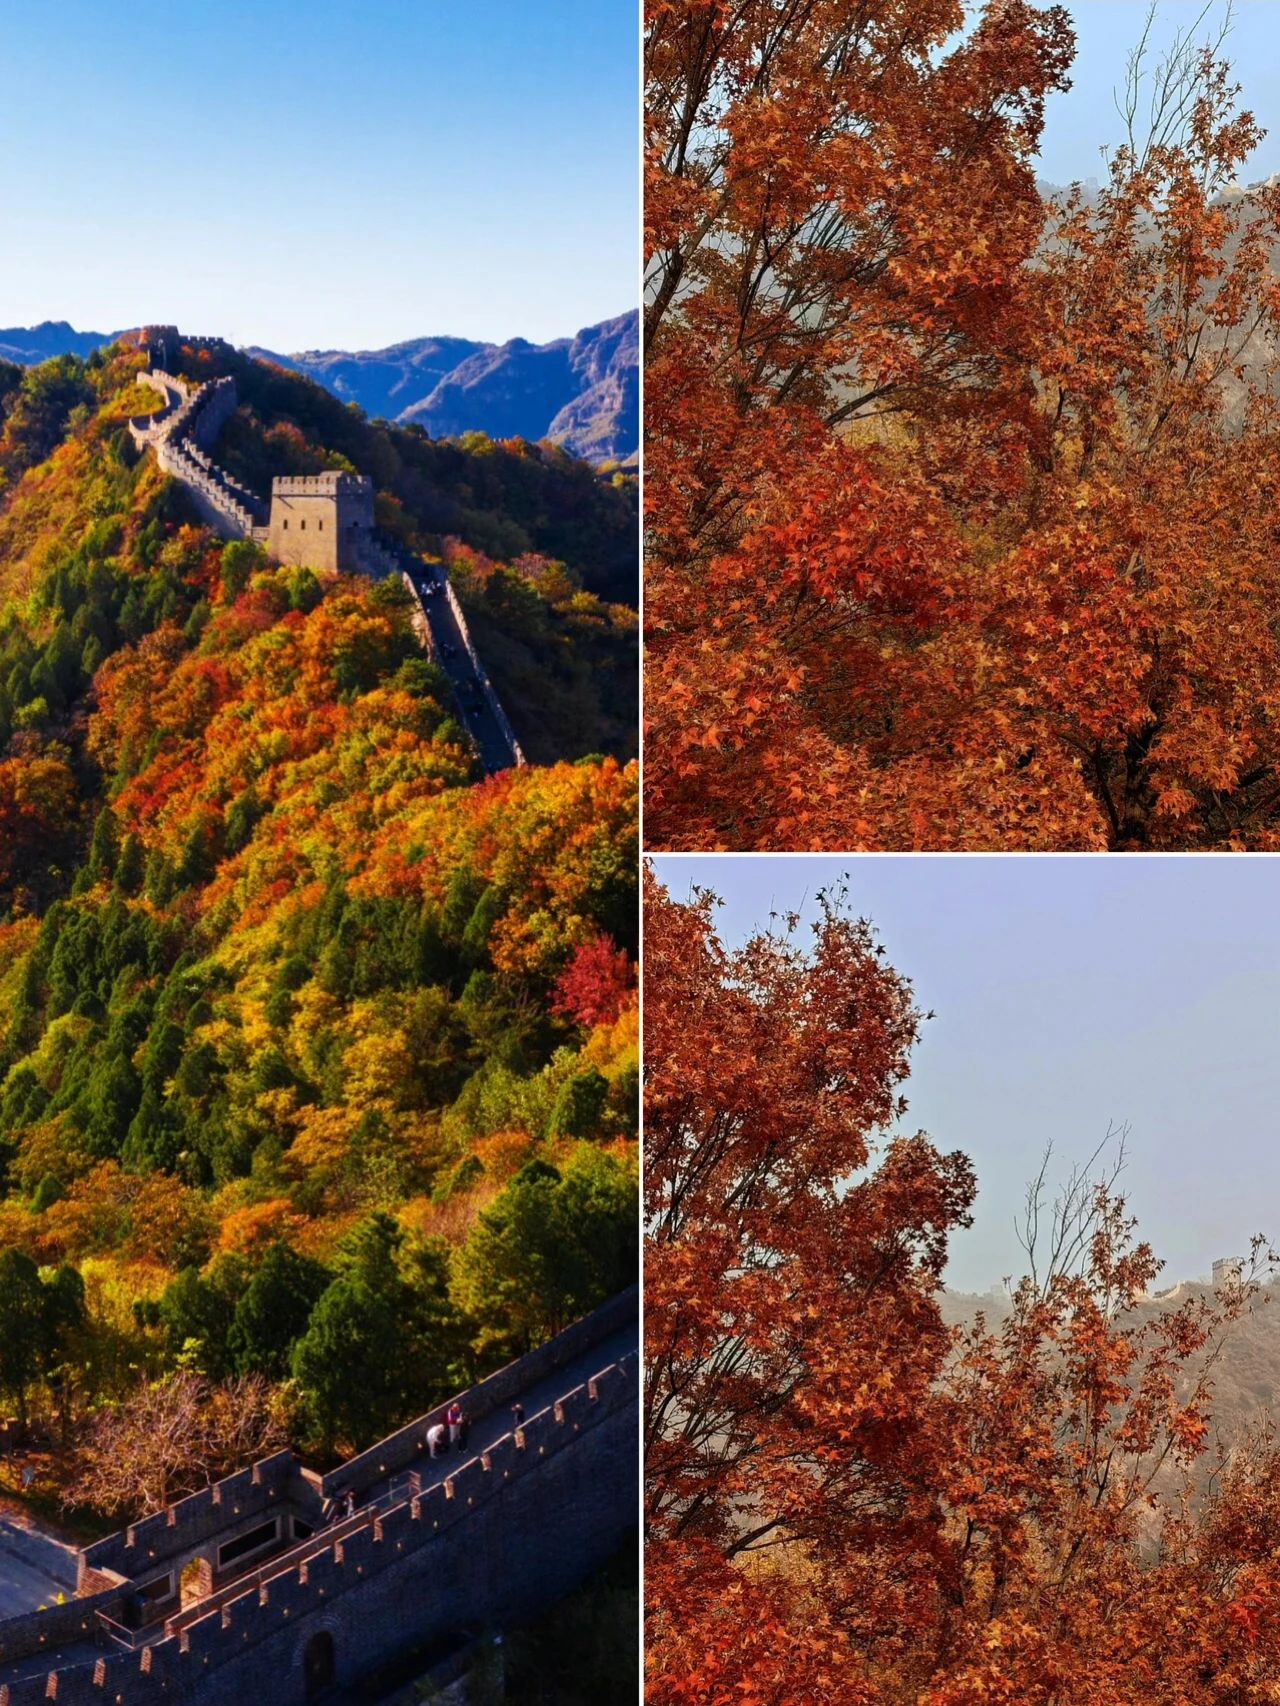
pixel 321 521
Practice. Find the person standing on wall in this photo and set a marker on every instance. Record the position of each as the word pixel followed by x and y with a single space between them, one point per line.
pixel 457 1426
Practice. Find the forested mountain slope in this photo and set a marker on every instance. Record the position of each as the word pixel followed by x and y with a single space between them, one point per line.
pixel 545 548
pixel 317 1054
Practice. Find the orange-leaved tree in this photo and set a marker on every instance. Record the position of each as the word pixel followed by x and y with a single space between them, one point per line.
pixel 960 500
pixel 847 1501
pixel 792 1334
pixel 838 198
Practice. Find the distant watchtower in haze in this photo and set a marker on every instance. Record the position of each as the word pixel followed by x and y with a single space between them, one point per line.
pixel 321 521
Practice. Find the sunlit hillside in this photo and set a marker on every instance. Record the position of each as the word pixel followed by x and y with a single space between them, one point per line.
pixel 318 1050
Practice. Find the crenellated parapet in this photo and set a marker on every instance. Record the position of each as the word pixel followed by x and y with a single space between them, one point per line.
pixel 405 1448
pixel 333 482
pixel 221 1511
pixel 429 1553
pixel 181 436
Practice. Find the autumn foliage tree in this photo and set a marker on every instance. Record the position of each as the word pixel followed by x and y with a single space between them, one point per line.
pixel 594 986
pixel 960 501
pixel 170 1437
pixel 791 1331
pixel 846 1500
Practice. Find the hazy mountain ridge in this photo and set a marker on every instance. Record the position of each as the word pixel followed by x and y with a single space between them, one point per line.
pixel 583 391
pixel 1246 1379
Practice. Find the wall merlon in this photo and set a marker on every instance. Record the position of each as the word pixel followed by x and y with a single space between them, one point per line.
pixel 322 1574
pixel 396 1524
pixel 78 1688
pixel 355 1549
pixel 24 1693
pixel 203 1638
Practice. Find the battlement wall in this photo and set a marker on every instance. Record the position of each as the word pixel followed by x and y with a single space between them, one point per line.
pixel 216 405
pixel 403 1449
pixel 216 1512
pixel 279 1481
pixel 381 557
pixel 508 1534
pixel 486 686
pixel 146 429
pixel 158 379
pixel 58 1625
pixel 326 484
pixel 181 439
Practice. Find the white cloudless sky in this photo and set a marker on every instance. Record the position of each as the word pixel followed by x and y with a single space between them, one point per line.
pixel 1069 993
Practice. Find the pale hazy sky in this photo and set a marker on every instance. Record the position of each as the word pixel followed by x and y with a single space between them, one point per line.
pixel 1070 992
pixel 301 172
pixel 1079 123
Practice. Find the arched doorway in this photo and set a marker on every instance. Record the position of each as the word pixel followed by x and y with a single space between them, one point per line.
pixel 318 1665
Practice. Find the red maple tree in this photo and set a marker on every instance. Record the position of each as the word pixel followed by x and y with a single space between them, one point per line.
pixel 960 502
pixel 596 983
pixel 847 1501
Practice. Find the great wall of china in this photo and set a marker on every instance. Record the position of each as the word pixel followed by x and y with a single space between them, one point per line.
pixel 250 1590
pixel 321 521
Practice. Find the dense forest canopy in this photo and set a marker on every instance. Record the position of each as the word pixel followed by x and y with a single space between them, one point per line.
pixel 318 1056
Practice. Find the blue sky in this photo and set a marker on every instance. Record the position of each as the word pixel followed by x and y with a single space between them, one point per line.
pixel 305 174
pixel 1079 123
pixel 1070 992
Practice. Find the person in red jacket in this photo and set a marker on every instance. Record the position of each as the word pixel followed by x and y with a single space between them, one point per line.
pixel 457 1425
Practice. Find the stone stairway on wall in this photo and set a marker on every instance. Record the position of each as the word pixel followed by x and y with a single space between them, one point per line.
pixel 440 617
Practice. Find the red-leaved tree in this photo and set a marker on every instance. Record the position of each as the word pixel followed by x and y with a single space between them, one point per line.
pixel 848 1502
pixel 595 985
pixel 960 501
